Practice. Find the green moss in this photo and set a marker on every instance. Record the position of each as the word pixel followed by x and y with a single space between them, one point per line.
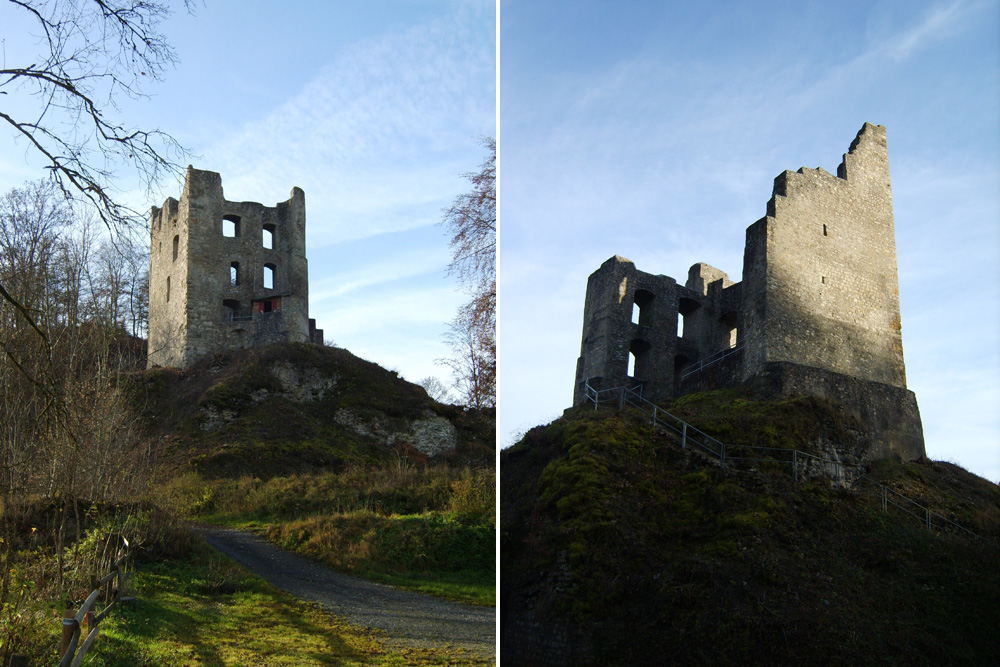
pixel 652 547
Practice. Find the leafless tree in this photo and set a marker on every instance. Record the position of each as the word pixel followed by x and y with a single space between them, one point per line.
pixel 436 389
pixel 66 431
pixel 91 53
pixel 471 221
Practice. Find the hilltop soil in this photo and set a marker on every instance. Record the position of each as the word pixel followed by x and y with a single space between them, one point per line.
pixel 619 547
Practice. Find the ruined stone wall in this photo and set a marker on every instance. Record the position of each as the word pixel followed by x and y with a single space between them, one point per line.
pixel 198 245
pixel 707 308
pixel 609 334
pixel 819 270
pixel 817 312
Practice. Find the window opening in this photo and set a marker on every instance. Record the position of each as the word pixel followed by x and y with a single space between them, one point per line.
pixel 639 359
pixel 685 307
pixel 231 226
pixel 268 239
pixel 177 240
pixel 824 230
pixel 267 305
pixel 168 289
pixel 642 309
pixel 728 323
pixel 234 274
pixel 269 276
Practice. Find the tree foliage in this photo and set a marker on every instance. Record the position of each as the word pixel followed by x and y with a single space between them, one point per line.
pixel 472 222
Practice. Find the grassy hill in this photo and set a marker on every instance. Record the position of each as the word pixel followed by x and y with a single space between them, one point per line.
pixel 619 547
pixel 293 408
pixel 319 451
pixel 332 456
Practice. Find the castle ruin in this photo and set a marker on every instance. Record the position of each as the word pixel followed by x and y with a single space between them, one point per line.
pixel 225 275
pixel 817 312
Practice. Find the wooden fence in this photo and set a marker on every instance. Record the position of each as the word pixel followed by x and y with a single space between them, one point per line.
pixel 72 622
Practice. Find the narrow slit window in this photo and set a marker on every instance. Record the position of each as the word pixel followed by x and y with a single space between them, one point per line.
pixel 231 226
pixel 269 276
pixel 168 288
pixel 268 240
pixel 631 364
pixel 824 230
pixel 177 242
pixel 635 313
pixel 234 274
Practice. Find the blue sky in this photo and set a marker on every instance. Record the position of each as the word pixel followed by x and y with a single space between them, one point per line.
pixel 374 109
pixel 654 130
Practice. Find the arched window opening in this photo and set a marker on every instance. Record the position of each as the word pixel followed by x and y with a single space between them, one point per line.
pixel 269 276
pixel 234 274
pixel 268 237
pixel 728 323
pixel 639 360
pixel 685 307
pixel 642 308
pixel 231 226
pixel 177 242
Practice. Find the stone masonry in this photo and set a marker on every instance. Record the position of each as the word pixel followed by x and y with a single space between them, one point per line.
pixel 817 312
pixel 225 275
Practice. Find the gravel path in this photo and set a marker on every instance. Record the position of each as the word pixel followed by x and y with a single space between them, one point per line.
pixel 408 618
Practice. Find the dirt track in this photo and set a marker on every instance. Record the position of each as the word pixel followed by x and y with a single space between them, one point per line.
pixel 408 618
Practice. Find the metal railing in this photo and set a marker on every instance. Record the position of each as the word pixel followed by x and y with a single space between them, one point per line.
pixel 802 463
pixel 711 359
pixel 236 315
pixel 931 520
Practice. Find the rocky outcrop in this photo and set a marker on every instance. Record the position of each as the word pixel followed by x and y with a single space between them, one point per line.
pixel 430 435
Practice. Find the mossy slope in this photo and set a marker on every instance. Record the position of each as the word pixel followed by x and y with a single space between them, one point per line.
pixel 628 550
pixel 263 431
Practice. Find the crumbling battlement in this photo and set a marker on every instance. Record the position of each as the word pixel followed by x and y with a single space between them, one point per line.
pixel 817 311
pixel 225 275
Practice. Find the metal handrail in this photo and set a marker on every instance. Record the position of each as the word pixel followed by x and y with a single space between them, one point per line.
pixel 718 449
pixel 713 358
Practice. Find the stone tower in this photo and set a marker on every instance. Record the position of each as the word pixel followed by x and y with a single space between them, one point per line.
pixel 817 312
pixel 819 270
pixel 225 275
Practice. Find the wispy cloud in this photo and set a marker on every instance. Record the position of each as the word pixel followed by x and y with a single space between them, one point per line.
pixel 939 23
pixel 380 272
pixel 378 138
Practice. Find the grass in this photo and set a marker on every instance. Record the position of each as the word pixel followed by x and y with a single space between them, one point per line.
pixel 427 529
pixel 214 613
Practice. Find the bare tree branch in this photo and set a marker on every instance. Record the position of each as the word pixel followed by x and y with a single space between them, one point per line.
pixel 471 221
pixel 92 52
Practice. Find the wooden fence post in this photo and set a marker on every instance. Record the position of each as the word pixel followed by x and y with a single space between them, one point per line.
pixel 67 630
